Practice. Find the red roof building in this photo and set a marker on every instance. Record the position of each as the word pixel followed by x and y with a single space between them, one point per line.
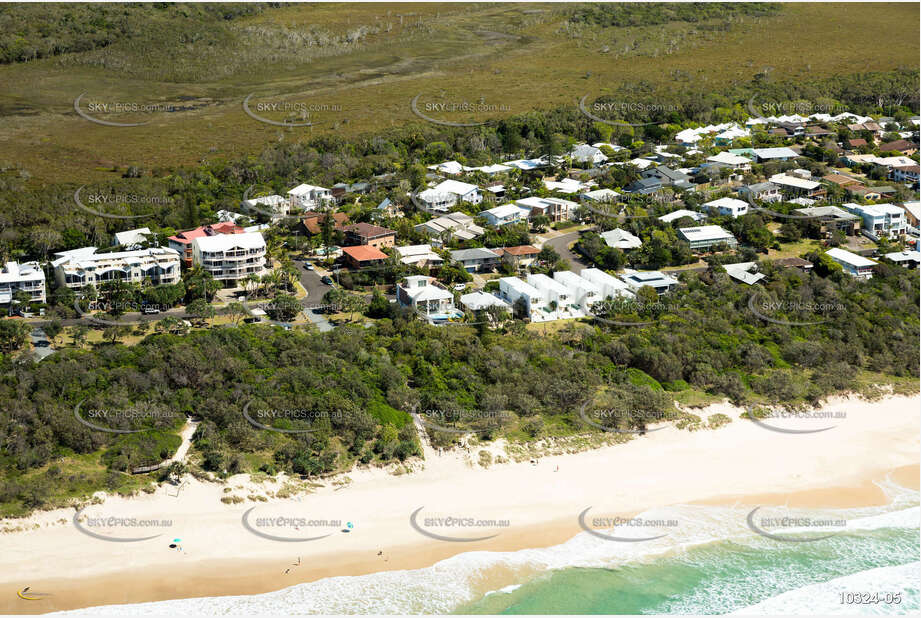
pixel 182 242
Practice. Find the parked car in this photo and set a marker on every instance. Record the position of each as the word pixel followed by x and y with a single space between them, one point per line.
pixel 309 266
pixel 460 287
pixel 149 310
pixel 327 280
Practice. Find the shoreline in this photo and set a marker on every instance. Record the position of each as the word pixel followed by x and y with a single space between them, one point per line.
pixel 676 467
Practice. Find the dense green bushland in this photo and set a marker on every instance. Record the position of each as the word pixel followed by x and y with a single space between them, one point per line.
pixel 354 386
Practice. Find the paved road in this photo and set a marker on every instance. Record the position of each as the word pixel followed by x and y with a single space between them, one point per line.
pixel 316 290
pixel 561 244
pixel 41 344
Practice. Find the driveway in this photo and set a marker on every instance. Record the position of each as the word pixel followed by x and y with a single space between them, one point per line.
pixel 41 344
pixel 316 290
pixel 560 244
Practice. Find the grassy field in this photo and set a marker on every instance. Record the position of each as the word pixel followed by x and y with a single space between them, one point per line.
pixel 360 66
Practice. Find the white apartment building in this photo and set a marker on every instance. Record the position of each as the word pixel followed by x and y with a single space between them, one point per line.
pixel 230 257
pixel 553 208
pixel 309 197
pixel 27 277
pixel 512 288
pixel 584 292
pixel 611 287
pixel 880 219
pixel 81 267
pixel 552 291
pixel 425 295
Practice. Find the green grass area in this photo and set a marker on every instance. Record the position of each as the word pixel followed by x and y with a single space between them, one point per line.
pixel 362 64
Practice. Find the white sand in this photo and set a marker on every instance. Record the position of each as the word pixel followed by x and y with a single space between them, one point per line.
pixel 664 467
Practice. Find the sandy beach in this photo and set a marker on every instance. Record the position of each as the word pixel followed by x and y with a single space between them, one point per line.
pixel 740 463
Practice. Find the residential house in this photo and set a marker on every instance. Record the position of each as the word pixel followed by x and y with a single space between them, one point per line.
pixel 476 260
pixel 553 208
pixel 369 234
pixel 880 219
pixel 182 242
pixel 901 146
pixel 363 256
pixel 736 163
pixel 426 296
pixel 906 258
pixel 832 218
pixel 81 267
pixel 645 186
pixel 728 207
pixel 611 287
pixel 556 295
pixel 800 187
pixel 132 239
pixel 450 168
pixel 312 223
pixel 853 264
pixel 27 277
pixel 621 239
pixel 456 224
pixel 706 237
pixel 668 177
pixel 583 153
pixel 746 272
pixel 420 256
pixel 763 191
pixel 681 213
pixel 519 257
pixel 506 214
pixel 568 185
pixel 446 194
pixel 600 196
pixel 912 213
pixel 229 258
pixel 840 180
pixel 309 197
pixel 275 207
pixel 906 174
pixel 658 281
pixel 763 155
pixel 480 301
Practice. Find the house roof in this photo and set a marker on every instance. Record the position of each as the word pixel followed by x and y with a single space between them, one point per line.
pixel 227 227
pixel 774 153
pixel 455 187
pixel 705 233
pixel 521 250
pixel 743 272
pixel 364 253
pixel 313 222
pixel 477 253
pixel 683 212
pixel 223 242
pixel 368 230
pixel 849 258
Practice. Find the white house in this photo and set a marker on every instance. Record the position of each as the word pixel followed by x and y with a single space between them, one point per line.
pixel 80 267
pixel 426 296
pixel 568 185
pixel 552 291
pixel 764 191
pixel 131 239
pixel 418 255
pixel 880 219
pixel 746 272
pixel 309 197
pixel 604 196
pixel 611 287
pixel 728 207
pixel 27 277
pixel 734 162
pixel 512 288
pixel 446 194
pixel 584 293
pixel 505 214
pixel 583 153
pixel 478 301
pixel 853 264
pixel 230 257
pixel 274 206
pixel 674 216
pixel 658 281
pixel 621 239
pixel 553 208
pixel 452 168
pixel 705 237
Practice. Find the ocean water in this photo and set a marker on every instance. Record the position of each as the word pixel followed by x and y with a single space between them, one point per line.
pixel 711 563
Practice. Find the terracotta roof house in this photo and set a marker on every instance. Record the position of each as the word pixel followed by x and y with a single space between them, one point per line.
pixel 368 234
pixel 856 143
pixel 520 256
pixel 841 180
pixel 900 145
pixel 312 223
pixel 182 242
pixel 363 255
